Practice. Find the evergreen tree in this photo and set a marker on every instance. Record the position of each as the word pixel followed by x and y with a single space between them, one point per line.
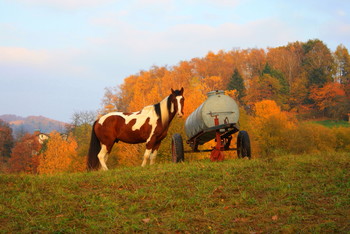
pixel 279 75
pixel 237 83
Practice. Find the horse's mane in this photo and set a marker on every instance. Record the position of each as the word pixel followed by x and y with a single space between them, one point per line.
pixel 157 109
pixel 162 109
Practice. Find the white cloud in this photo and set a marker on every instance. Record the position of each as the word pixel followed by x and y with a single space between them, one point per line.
pixel 23 56
pixel 53 61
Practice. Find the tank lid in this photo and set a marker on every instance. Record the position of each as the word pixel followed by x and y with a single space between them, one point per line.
pixel 216 92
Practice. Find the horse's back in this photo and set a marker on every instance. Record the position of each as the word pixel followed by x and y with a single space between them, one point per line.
pixel 131 128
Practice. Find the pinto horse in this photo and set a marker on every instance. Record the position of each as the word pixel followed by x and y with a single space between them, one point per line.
pixel 149 125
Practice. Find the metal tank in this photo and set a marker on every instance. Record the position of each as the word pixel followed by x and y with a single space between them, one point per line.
pixel 218 104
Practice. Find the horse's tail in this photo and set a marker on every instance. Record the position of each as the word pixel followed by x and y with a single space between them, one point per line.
pixel 93 163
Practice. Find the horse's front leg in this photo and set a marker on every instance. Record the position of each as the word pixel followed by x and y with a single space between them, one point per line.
pixel 154 153
pixel 146 156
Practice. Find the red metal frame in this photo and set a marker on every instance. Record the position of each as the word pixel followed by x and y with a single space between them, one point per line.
pixel 217 154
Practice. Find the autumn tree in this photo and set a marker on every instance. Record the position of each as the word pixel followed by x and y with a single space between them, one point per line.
pixel 110 101
pixel 331 100
pixel 318 62
pixel 287 59
pixel 60 156
pixel 263 87
pixel 213 83
pixel 298 93
pixel 342 63
pixel 6 140
pixel 237 83
pixel 24 156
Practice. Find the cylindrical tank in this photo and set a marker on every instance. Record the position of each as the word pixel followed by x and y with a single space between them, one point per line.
pixel 203 117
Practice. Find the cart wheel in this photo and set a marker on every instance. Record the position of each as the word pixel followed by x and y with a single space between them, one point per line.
pixel 177 148
pixel 243 145
pixel 216 155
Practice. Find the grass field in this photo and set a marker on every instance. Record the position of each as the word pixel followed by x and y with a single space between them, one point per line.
pixel 304 193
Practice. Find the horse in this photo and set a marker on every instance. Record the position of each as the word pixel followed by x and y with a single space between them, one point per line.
pixel 149 125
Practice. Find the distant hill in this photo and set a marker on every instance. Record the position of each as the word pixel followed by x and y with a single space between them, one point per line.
pixel 10 118
pixel 29 124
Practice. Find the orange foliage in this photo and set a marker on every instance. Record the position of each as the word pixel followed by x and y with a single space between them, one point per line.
pixel 194 96
pixel 270 125
pixel 267 109
pixel 60 156
pixel 328 96
pixel 287 60
pixel 232 93
pixel 24 156
pixel 213 83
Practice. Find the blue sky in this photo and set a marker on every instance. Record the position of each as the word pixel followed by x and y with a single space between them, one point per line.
pixel 57 56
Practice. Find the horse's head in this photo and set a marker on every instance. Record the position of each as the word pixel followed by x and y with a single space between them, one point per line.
pixel 177 102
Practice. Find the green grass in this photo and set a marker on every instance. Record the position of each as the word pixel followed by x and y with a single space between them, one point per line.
pixel 304 193
pixel 332 123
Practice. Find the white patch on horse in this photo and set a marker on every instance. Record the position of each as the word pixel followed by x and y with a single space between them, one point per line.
pixel 146 157
pixel 164 111
pixel 179 107
pixel 172 107
pixel 140 117
pixel 102 157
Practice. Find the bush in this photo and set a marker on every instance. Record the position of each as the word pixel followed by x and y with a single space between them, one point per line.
pixel 342 135
pixel 309 138
pixel 276 132
pixel 271 125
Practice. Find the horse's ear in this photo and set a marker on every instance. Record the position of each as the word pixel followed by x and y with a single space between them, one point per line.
pixel 172 91
pixel 182 90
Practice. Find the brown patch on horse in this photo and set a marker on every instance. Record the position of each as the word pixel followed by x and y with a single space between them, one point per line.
pixel 124 131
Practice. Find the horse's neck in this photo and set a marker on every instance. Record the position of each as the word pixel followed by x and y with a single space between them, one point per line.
pixel 166 115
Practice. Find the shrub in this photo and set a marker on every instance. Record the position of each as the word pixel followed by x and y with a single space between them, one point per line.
pixel 342 135
pixel 309 138
pixel 271 125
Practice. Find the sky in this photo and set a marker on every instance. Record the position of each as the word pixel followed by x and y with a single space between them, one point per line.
pixel 58 56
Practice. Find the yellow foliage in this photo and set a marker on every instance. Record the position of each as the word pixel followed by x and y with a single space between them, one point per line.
pixel 342 135
pixel 232 93
pixel 213 83
pixel 309 138
pixel 60 156
pixel 270 125
pixel 267 109
pixel 194 96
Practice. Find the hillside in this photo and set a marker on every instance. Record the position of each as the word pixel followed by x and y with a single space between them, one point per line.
pixel 31 123
pixel 289 194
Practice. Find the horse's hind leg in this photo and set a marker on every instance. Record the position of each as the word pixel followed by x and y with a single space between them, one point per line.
pixel 103 156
